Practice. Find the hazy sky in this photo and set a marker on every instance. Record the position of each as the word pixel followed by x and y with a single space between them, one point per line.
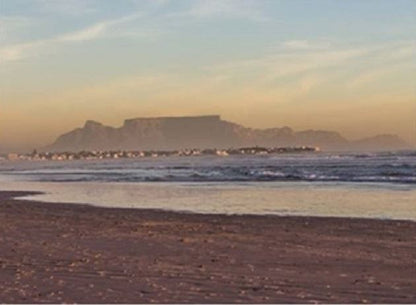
pixel 348 66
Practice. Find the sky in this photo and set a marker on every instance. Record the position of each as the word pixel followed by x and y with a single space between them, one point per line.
pixel 348 66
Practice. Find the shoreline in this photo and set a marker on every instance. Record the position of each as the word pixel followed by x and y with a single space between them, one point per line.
pixel 21 194
pixel 57 252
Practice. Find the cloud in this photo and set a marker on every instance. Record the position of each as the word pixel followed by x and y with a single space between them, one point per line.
pixel 97 30
pixel 10 53
pixel 20 51
pixel 390 62
pixel 276 77
pixel 151 3
pixel 235 9
pixel 304 45
pixel 200 9
pixel 88 33
pixel 311 58
pixel 285 64
pixel 304 75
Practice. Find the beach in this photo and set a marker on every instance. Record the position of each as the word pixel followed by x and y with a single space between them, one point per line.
pixel 70 253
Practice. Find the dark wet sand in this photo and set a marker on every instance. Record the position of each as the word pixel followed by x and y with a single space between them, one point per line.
pixel 54 253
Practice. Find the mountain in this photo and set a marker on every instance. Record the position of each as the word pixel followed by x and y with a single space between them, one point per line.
pixel 172 133
pixel 380 142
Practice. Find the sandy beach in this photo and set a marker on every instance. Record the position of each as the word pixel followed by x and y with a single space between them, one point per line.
pixel 54 253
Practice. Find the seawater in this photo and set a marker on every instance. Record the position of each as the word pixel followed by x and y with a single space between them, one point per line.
pixel 349 185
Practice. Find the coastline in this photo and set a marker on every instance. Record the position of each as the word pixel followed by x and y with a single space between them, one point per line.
pixel 54 253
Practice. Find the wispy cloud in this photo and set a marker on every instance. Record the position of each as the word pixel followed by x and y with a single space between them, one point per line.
pixel 97 30
pixel 283 76
pixel 289 73
pixel 20 51
pixel 151 3
pixel 200 9
pixel 303 45
pixel 10 53
pixel 391 62
pixel 230 9
pixel 284 64
pixel 88 33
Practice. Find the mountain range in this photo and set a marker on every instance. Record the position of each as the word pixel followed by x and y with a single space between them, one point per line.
pixel 173 133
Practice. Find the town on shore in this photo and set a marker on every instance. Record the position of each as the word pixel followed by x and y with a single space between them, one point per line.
pixel 98 154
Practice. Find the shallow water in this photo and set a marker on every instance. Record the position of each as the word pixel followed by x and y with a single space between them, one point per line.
pixel 373 186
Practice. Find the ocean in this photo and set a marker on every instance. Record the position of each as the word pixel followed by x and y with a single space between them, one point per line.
pixel 370 185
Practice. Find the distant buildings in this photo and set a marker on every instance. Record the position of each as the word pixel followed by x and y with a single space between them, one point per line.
pixel 13 156
pixel 100 155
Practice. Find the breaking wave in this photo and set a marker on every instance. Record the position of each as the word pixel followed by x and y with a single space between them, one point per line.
pixel 385 167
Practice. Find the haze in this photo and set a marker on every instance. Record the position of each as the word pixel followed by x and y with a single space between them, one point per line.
pixel 347 66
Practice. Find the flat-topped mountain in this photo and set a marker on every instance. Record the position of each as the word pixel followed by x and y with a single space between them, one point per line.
pixel 172 133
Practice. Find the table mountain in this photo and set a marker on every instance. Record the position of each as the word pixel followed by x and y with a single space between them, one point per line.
pixel 172 133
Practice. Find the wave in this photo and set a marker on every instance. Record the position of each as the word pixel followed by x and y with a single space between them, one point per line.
pixel 390 168
pixel 238 175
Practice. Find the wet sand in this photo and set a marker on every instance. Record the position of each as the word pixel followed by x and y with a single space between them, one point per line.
pixel 54 253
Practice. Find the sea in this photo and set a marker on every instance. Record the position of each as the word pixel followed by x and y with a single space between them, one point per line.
pixel 364 185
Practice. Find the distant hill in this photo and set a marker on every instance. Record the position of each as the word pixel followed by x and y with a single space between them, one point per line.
pixel 380 142
pixel 171 133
